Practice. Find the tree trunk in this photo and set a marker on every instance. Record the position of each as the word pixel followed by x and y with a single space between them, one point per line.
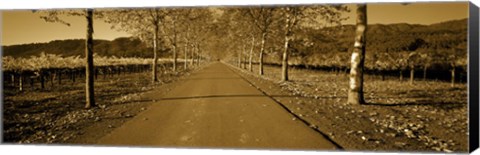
pixel 12 77
pixel 89 68
pixel 186 56
pixel 192 55
pixel 250 56
pixel 52 78
pixel 260 65
pixel 285 50
pixel 383 75
pixel 401 75
pixel 32 82
pixel 42 80
pixel 244 56
pixel 412 75
pixel 197 49
pixel 453 76
pixel 20 82
pixel 174 45
pixel 239 60
pixel 155 56
pixel 96 73
pixel 73 76
pixel 59 77
pixel 355 93
pixel 425 73
pixel 174 57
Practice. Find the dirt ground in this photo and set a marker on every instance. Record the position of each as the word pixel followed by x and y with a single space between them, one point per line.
pixel 428 116
pixel 56 114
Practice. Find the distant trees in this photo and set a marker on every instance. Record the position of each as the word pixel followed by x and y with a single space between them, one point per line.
pixel 455 58
pixel 171 32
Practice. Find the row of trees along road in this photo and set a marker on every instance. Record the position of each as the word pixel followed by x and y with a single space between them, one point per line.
pixel 306 35
pixel 154 26
pixel 268 20
pixel 314 37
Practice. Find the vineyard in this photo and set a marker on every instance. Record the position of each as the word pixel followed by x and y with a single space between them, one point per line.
pixel 51 68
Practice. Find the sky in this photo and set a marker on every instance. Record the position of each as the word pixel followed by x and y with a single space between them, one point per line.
pixel 23 26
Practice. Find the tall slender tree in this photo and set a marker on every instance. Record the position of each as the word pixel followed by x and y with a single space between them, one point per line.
pixel 298 16
pixel 355 91
pixel 263 18
pixel 143 23
pixel 55 16
pixel 250 55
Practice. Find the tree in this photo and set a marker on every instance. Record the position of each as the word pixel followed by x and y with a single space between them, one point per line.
pixel 250 55
pixel 303 16
pixel 143 23
pixel 199 29
pixel 455 57
pixel 236 23
pixel 426 61
pixel 171 32
pixel 263 18
pixel 413 60
pixel 355 92
pixel 54 16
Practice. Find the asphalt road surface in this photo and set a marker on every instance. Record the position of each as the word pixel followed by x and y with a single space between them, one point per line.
pixel 216 108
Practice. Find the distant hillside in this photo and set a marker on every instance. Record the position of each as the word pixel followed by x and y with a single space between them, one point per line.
pixel 330 41
pixel 395 37
pixel 120 47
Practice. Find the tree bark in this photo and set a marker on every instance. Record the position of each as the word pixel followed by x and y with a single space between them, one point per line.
pixel 89 57
pixel 239 60
pixel 42 80
pixel 174 46
pixel 186 56
pixel 453 76
pixel 260 65
pixel 251 55
pixel 12 79
pixel 59 77
pixel 355 93
pixel 192 55
pixel 32 82
pixel 401 75
pixel 412 75
pixel 383 75
pixel 197 49
pixel 285 50
pixel 155 56
pixel 174 57
pixel 186 50
pixel 425 73
pixel 20 82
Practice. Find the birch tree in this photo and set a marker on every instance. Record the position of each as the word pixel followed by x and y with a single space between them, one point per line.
pixel 355 91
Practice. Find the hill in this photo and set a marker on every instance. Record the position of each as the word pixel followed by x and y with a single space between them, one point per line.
pixel 120 47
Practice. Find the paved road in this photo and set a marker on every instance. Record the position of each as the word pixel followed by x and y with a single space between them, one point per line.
pixel 216 108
